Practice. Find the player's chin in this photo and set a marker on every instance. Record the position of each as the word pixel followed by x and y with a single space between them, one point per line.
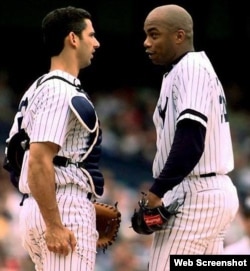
pixel 90 59
pixel 155 62
pixel 86 64
pixel 154 59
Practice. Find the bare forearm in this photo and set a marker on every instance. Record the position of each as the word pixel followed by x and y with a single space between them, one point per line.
pixel 41 179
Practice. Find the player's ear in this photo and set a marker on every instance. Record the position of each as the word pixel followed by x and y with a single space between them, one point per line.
pixel 180 36
pixel 72 38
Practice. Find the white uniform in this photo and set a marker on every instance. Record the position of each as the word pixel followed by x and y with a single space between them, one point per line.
pixel 240 247
pixel 191 90
pixel 47 117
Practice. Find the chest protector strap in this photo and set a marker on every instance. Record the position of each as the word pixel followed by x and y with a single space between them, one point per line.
pixel 89 164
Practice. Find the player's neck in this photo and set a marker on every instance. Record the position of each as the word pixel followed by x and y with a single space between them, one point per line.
pixel 59 63
pixel 171 65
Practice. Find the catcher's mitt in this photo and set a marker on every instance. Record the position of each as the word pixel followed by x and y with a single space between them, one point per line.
pixel 108 220
pixel 148 220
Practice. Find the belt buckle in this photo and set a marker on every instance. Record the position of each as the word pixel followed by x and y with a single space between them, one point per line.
pixel 67 162
pixel 79 164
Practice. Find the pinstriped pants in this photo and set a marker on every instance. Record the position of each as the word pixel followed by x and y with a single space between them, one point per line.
pixel 209 206
pixel 78 214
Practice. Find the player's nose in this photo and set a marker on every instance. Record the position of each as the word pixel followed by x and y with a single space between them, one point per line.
pixel 96 44
pixel 146 43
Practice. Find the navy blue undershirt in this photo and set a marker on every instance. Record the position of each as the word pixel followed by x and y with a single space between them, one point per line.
pixel 185 153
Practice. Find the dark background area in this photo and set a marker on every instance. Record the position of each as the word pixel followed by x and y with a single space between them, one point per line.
pixel 221 28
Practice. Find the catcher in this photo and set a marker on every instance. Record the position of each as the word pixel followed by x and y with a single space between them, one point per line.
pixel 58 168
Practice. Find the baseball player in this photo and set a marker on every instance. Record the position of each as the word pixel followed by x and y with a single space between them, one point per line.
pixel 60 172
pixel 194 148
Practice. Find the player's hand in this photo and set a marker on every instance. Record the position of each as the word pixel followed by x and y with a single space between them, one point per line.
pixel 60 240
pixel 152 200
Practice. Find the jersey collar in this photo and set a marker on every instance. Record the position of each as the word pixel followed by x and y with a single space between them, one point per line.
pixel 170 66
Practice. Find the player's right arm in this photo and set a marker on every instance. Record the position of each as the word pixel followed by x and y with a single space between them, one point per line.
pixel 41 180
pixel 186 150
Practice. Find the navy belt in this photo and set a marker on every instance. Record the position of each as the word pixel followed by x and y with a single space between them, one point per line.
pixel 208 174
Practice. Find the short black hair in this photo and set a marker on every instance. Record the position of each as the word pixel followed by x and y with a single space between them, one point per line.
pixel 58 23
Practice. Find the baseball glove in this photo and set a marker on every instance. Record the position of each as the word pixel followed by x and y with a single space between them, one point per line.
pixel 108 220
pixel 148 220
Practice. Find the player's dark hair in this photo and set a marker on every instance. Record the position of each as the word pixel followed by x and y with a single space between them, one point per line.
pixel 58 23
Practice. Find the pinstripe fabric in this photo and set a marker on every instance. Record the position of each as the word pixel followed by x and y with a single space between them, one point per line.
pixel 191 90
pixel 47 117
pixel 78 214
pixel 209 206
pixel 197 94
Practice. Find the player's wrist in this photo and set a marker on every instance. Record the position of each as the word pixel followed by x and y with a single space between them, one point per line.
pixel 159 188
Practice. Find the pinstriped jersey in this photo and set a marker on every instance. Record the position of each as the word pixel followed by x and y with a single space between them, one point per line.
pixel 192 90
pixel 46 116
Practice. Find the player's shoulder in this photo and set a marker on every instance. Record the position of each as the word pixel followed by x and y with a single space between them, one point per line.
pixel 196 58
pixel 197 61
pixel 58 81
pixel 59 76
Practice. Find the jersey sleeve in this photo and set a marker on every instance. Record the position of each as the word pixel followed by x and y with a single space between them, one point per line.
pixel 52 114
pixel 185 153
pixel 193 94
